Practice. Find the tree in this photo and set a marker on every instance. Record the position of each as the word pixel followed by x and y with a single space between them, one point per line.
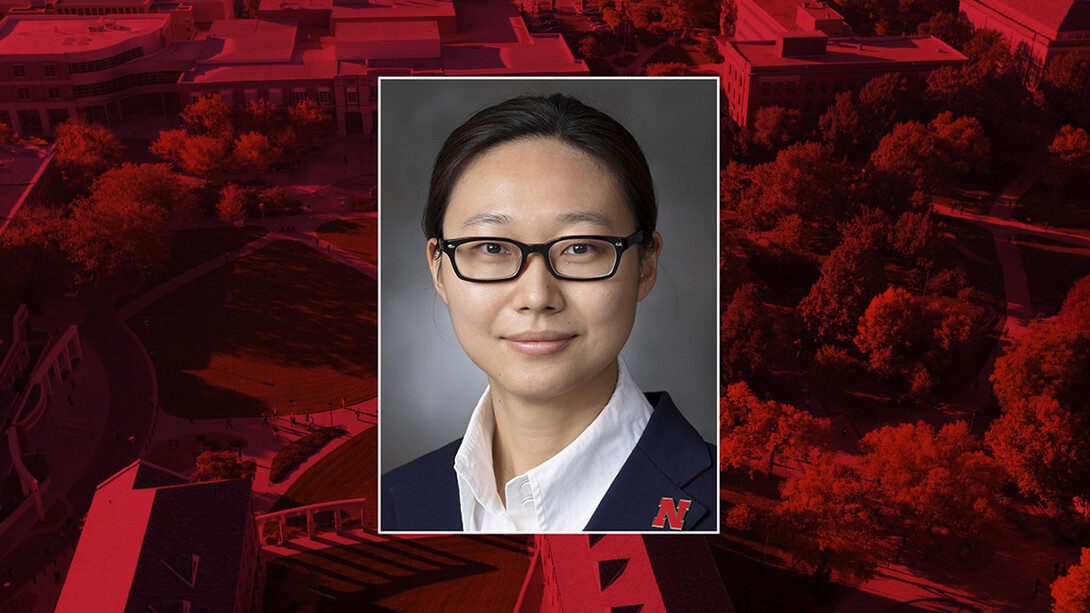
pixel 1043 447
pixel 116 244
pixel 829 523
pixel 152 184
pixel 684 16
pixel 7 134
pixel 841 125
pixel 774 127
pixel 85 150
pixel 804 179
pixel 745 331
pixel 1050 359
pixel 666 69
pixel 218 465
pixel 754 432
pixel 232 204
pixel 34 264
pixel 1068 153
pixel 1062 83
pixel 210 116
pixel 913 339
pixel 203 155
pixel 948 27
pixel 590 47
pixel 733 181
pixel 260 116
pixel 936 481
pixel 915 237
pixel 931 153
pixel 254 153
pixel 169 146
pixel 308 119
pixel 1075 310
pixel 850 277
pixel 1071 592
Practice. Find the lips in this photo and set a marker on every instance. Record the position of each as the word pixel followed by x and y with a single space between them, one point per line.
pixel 538 343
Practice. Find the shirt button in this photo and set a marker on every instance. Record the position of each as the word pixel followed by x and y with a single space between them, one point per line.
pixel 526 488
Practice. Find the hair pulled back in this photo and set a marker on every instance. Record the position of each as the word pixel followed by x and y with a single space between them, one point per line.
pixel 558 117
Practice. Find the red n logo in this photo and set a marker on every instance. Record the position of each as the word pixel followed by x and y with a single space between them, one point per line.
pixel 668 513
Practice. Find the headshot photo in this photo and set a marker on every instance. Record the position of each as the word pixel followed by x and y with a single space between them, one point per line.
pixel 548 305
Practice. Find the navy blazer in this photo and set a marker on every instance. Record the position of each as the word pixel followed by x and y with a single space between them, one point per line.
pixel 670 465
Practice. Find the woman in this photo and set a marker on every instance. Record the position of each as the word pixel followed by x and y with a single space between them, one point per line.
pixel 541 241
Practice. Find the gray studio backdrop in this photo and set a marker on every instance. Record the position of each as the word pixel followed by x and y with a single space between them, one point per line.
pixel 427 385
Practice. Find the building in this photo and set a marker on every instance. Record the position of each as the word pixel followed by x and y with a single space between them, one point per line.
pixel 1037 30
pixel 152 541
pixel 806 70
pixel 110 68
pixel 622 573
pixel 53 67
pixel 766 19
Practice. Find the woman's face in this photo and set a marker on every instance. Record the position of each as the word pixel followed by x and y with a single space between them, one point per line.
pixel 537 336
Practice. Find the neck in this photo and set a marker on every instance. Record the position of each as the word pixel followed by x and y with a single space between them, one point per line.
pixel 529 431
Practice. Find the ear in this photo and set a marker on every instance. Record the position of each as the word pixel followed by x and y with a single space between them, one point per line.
pixel 435 263
pixel 649 267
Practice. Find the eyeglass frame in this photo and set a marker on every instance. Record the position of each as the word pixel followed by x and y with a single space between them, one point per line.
pixel 620 243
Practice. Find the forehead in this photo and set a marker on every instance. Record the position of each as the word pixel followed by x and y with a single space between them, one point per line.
pixel 537 183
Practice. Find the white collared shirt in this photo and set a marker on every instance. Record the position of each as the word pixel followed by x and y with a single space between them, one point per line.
pixel 561 494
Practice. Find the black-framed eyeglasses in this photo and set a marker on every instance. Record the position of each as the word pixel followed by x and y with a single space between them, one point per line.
pixel 485 259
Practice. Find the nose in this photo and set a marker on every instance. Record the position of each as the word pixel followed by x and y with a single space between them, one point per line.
pixel 536 289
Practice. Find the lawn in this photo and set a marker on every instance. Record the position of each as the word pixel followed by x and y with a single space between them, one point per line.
pixel 284 327
pixel 349 471
pixel 449 573
pixel 1052 267
pixel 357 236
pixel 190 248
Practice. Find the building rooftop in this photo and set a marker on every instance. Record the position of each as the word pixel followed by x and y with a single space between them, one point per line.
pixel 1046 16
pixel 63 3
pixel 785 12
pixel 151 542
pixel 390 10
pixel 296 5
pixel 301 64
pixel 854 50
pixel 43 34
pixel 248 41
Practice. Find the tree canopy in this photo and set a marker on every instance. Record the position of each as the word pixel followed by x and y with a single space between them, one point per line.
pixel 217 465
pixel 1071 592
pixel 754 432
pixel 85 150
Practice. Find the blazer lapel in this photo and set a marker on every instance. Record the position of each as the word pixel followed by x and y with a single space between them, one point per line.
pixel 668 456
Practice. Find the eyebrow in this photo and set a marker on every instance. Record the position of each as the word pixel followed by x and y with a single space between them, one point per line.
pixel 569 217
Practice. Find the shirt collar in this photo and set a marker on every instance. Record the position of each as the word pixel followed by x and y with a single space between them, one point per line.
pixel 564 491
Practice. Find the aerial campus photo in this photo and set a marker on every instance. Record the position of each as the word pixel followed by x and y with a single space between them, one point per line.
pixel 189 307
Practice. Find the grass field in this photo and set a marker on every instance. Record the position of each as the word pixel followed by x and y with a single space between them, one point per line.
pixel 1052 267
pixel 357 236
pixel 349 471
pixel 284 327
pixel 450 573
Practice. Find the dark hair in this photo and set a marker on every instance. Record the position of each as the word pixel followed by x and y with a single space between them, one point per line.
pixel 559 117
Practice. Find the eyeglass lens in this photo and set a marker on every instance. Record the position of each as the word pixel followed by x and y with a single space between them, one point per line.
pixel 578 258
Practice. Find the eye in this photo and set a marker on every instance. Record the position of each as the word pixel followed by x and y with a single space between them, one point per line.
pixel 493 248
pixel 579 249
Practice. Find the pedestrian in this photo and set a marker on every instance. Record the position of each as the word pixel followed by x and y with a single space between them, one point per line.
pixel 117 433
pixel 229 426
pixel 70 403
pixel 56 576
pixel 239 455
pixel 327 247
pixel 293 419
pixel 264 418
pixel 1046 225
pixel 346 160
pixel 357 413
pixel 276 413
pixel 275 431
pixel 1056 568
pixel 316 242
pixel 843 433
pixel 1036 588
